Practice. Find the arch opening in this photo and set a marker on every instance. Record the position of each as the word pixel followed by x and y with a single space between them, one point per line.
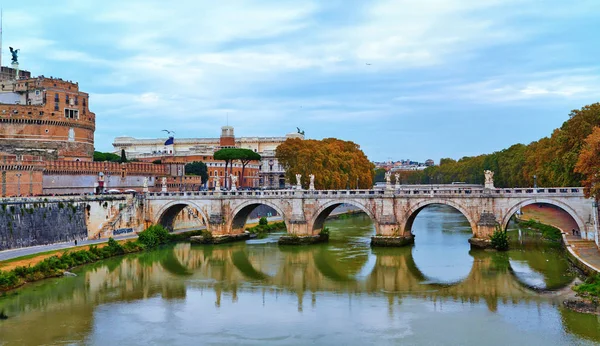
pixel 546 212
pixel 254 212
pixel 441 250
pixel 182 216
pixel 338 209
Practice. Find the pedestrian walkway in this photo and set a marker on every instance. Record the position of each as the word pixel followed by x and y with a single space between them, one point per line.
pixel 584 250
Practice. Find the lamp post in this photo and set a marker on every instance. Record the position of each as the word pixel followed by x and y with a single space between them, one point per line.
pixel 271 162
pixel 18 184
pixel 535 181
pixel 357 183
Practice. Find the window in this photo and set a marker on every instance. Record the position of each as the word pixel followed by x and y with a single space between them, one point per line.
pixel 37 92
pixel 83 101
pixel 76 101
pixel 67 99
pixel 56 99
pixel 71 113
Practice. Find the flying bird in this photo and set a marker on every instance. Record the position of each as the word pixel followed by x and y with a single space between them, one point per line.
pixel 368 64
pixel 169 132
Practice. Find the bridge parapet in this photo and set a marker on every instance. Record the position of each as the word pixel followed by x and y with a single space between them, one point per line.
pixel 403 192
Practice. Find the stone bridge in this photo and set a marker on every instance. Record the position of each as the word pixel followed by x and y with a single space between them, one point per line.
pixel 393 211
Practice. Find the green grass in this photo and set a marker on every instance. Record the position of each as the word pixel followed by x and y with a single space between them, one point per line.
pixel 590 288
pixel 548 232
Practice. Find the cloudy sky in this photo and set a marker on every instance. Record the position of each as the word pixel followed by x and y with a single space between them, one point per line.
pixel 404 79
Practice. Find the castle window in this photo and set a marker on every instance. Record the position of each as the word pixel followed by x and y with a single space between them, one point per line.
pixel 56 106
pixel 83 101
pixel 71 113
pixel 76 101
pixel 67 99
pixel 56 99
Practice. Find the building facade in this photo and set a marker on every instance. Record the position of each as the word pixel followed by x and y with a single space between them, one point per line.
pixel 267 173
pixel 47 144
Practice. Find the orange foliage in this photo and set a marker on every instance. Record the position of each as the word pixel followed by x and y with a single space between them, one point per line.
pixel 336 164
pixel 588 164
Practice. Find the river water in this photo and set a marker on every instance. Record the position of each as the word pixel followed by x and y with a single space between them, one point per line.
pixel 434 293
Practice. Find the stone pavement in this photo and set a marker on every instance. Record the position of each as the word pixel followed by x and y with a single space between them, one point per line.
pixel 585 250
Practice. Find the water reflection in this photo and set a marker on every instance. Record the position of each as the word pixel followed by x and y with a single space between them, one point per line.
pixel 345 279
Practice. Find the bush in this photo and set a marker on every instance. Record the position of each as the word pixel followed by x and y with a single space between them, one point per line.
pixel 263 221
pixel 324 232
pixel 499 240
pixel 153 236
pixel 114 247
pixel 590 288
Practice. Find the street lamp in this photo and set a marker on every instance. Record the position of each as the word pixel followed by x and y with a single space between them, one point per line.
pixel 18 184
pixel 535 181
pixel 271 163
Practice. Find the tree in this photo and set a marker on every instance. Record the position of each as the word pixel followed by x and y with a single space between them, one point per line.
pixel 588 164
pixel 228 155
pixel 197 168
pixel 123 157
pixel 379 175
pixel 101 157
pixel 246 156
pixel 336 164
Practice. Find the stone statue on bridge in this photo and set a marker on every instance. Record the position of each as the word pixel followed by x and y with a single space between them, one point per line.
pixel 397 177
pixel 234 179
pixel 164 184
pixel 388 180
pixel 217 181
pixel 311 187
pixel 145 184
pixel 298 182
pixel 489 179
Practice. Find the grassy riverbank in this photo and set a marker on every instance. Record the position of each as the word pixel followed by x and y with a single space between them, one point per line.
pixel 264 227
pixel 548 232
pixel 53 265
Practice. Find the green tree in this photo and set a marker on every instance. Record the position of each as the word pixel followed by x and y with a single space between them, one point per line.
pixel 246 156
pixel 101 157
pixel 228 155
pixel 123 156
pixel 197 168
pixel 379 175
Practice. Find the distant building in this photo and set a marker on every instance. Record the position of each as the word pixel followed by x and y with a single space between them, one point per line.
pixel 47 143
pixel 266 173
pixel 429 163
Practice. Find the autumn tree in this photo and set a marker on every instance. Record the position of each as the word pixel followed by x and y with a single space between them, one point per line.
pixel 336 164
pixel 588 164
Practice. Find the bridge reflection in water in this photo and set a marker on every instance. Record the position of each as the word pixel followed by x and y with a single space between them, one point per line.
pixel 177 273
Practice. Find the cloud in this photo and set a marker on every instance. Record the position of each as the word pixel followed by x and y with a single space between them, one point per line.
pixel 272 65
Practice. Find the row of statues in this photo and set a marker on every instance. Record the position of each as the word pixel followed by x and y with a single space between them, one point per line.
pixel 489 182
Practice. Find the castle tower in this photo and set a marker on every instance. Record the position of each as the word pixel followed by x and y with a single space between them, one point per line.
pixel 227 137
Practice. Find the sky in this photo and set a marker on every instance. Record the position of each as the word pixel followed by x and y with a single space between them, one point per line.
pixel 404 79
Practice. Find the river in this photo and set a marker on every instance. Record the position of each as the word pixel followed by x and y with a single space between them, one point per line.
pixel 434 293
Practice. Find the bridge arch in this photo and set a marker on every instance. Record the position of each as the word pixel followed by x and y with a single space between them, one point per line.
pixel 412 213
pixel 578 220
pixel 325 210
pixel 167 213
pixel 240 214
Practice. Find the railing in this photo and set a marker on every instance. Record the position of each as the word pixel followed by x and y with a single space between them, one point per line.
pixel 402 192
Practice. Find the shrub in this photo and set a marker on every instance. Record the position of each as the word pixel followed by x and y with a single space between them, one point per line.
pixel 263 221
pixel 154 236
pixel 548 232
pixel 324 232
pixel 590 288
pixel 499 239
pixel 114 247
